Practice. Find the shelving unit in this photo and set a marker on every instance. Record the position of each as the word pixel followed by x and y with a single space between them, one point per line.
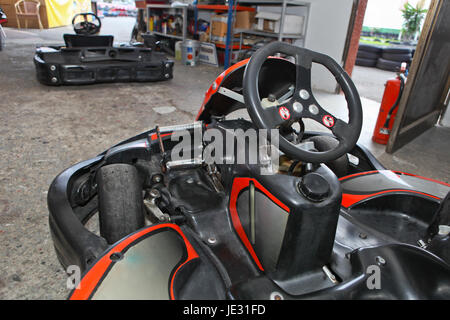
pixel 284 5
pixel 168 6
pixel 230 9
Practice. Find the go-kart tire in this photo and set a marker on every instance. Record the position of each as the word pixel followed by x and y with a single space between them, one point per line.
pixel 324 143
pixel 388 65
pixel 400 57
pixel 369 48
pixel 368 55
pixel 120 203
pixel 366 62
pixel 396 50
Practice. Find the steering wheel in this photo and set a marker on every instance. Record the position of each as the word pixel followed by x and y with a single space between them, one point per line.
pixel 302 104
pixel 86 27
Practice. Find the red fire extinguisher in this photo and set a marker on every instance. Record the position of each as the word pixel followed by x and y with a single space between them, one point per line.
pixel 388 109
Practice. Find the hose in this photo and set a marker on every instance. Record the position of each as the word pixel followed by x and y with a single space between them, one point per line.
pixel 391 110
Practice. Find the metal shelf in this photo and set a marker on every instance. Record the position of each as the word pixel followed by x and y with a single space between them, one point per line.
pixel 165 6
pixel 269 34
pixel 168 35
pixel 168 6
pixel 267 2
pixel 232 7
pixel 223 7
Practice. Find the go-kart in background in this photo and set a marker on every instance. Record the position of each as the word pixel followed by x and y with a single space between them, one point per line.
pixel 46 129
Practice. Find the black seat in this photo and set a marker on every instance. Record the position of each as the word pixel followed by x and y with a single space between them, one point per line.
pixel 76 40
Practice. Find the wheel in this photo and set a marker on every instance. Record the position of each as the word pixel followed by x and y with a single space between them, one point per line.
pixel 388 65
pixel 120 201
pixel 86 27
pixel 369 48
pixel 368 55
pixel 400 57
pixel 397 50
pixel 324 143
pixel 303 103
pixel 366 62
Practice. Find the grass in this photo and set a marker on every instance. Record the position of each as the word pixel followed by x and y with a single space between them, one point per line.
pixel 377 41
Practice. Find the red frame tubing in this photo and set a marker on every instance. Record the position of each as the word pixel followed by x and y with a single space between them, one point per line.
pixel 216 84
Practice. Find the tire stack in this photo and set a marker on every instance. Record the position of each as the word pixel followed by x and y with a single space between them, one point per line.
pixel 392 58
pixel 368 55
pixel 389 58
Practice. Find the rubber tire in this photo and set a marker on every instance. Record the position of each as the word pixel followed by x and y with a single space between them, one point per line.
pixel 368 55
pixel 369 48
pixel 340 165
pixel 366 62
pixel 397 57
pixel 397 50
pixel 120 202
pixel 388 65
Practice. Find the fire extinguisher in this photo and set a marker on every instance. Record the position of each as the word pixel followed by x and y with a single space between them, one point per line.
pixel 388 109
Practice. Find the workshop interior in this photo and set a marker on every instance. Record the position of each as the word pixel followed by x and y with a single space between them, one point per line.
pixel 225 150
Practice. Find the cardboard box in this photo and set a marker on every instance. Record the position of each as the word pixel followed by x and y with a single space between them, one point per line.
pixel 219 25
pixel 243 20
pixel 270 21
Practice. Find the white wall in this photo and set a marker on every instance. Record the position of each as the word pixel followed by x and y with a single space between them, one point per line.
pixel 327 28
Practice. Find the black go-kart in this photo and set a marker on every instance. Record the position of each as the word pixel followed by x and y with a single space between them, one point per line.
pixel 90 58
pixel 329 223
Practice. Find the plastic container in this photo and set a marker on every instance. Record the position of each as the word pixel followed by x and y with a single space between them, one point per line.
pixel 189 52
pixel 178 50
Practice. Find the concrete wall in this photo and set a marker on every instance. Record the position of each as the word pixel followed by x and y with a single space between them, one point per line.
pixel 328 24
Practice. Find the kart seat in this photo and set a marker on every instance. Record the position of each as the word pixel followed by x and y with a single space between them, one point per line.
pixel 77 40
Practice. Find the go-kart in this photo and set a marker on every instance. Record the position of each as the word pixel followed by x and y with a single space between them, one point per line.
pixel 90 58
pixel 330 222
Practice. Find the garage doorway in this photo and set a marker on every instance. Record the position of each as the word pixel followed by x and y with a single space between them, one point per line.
pixel 424 97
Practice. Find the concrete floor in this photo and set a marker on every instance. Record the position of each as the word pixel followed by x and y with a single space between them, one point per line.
pixel 46 129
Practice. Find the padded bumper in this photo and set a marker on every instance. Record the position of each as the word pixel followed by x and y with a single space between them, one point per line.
pixel 75 66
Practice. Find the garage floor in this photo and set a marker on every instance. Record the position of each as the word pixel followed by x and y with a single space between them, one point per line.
pixel 46 129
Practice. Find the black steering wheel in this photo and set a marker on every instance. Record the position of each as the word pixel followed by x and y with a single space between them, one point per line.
pixel 86 27
pixel 302 104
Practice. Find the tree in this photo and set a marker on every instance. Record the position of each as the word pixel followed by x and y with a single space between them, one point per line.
pixel 413 17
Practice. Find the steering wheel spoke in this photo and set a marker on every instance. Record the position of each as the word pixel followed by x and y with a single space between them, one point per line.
pixel 303 80
pixel 315 112
pixel 280 115
pixel 341 130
